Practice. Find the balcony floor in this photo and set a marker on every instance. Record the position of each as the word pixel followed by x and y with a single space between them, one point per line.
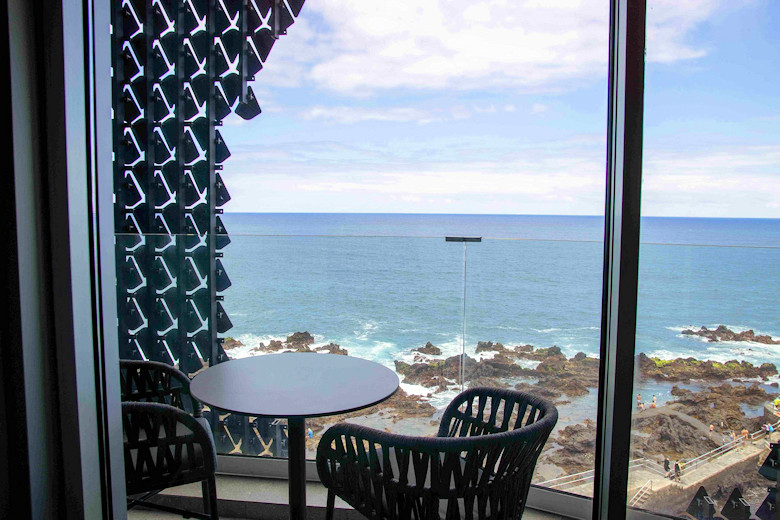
pixel 251 497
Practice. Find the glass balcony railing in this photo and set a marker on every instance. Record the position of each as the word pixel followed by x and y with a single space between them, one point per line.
pixel 392 300
pixel 512 312
pixel 515 312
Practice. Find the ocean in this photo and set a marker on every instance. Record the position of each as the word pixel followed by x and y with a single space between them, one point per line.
pixel 382 284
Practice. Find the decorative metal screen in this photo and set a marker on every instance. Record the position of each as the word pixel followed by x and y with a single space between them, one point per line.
pixel 180 67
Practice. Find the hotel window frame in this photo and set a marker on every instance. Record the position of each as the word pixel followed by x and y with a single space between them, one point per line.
pixel 621 254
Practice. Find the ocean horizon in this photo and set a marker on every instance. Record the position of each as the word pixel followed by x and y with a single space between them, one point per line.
pixel 382 284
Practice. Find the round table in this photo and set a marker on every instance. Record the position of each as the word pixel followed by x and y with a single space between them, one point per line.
pixel 295 386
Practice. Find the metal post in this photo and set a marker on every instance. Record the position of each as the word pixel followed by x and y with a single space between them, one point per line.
pixel 296 462
pixel 621 256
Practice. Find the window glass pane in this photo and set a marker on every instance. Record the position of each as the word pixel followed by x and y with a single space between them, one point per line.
pixel 386 127
pixel 433 119
pixel 708 333
pixel 533 314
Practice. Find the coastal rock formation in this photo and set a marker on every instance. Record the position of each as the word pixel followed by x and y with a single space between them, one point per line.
pixel 722 403
pixel 440 373
pixel 572 377
pixel 555 374
pixel 723 333
pixel 540 390
pixel 685 369
pixel 230 343
pixel 540 354
pixel 273 346
pixel 429 348
pixel 398 407
pixel 333 348
pixel 299 341
pixel 576 448
pixel 670 435
pixel 489 346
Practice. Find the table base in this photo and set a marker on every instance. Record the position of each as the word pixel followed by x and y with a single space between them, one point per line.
pixel 296 464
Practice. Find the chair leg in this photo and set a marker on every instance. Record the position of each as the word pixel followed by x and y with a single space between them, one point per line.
pixel 209 487
pixel 331 505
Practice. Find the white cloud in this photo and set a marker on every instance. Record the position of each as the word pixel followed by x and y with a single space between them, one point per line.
pixel 349 115
pixel 538 108
pixel 474 177
pixel 357 47
pixel 553 178
pixel 357 114
pixel 740 182
pixel 669 23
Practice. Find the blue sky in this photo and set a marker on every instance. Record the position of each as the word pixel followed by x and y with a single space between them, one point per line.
pixel 456 106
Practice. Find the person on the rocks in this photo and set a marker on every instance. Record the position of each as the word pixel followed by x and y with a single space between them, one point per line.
pixel 639 401
pixel 677 470
pixel 654 403
pixel 667 466
pixel 712 429
pixel 641 407
pixel 744 434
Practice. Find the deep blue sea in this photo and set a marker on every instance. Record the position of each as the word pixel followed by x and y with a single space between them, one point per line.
pixel 382 284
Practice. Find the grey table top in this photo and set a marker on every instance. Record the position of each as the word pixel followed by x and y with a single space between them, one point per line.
pixel 294 385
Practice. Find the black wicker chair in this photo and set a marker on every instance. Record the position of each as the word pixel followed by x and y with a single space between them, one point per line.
pixel 167 441
pixel 479 466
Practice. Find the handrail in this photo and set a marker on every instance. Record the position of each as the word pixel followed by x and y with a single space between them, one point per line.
pixel 587 476
pixel 724 448
pixel 647 488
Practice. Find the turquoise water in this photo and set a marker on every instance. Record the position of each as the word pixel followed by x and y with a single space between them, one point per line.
pixel 381 284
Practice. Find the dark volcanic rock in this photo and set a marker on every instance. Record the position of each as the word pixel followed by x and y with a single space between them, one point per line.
pixel 722 403
pixel 572 377
pixel 399 406
pixel 230 343
pixel 299 340
pixel 539 390
pixel 668 435
pixel 429 349
pixel 723 333
pixel 577 450
pixel 555 373
pixel 489 346
pixel 690 368
pixel 275 345
pixel 539 354
pixel 439 373
pixel 333 348
pixel 486 381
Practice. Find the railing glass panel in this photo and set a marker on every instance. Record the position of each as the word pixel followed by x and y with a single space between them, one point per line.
pixel 533 304
pixel 394 300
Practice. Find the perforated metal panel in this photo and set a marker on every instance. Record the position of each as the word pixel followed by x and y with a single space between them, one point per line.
pixel 179 69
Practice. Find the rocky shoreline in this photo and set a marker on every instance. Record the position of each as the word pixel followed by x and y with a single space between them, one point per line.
pixel 678 429
pixel 723 333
